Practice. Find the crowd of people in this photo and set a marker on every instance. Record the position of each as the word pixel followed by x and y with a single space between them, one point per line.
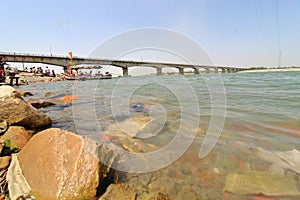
pixel 39 70
pixel 11 71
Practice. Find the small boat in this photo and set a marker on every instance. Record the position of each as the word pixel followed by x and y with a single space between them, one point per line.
pixel 71 77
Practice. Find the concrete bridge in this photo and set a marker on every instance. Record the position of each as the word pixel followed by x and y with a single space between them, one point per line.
pixel 64 61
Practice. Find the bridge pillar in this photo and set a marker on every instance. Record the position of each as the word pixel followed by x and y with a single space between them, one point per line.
pixel 207 70
pixel 181 71
pixel 223 70
pixel 125 71
pixel 159 71
pixel 231 70
pixel 216 70
pixel 196 71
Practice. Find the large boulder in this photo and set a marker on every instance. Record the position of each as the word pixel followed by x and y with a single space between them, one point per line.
pixel 59 164
pixel 16 111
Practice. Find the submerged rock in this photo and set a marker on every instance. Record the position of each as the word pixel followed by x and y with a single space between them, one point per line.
pixel 37 103
pixel 288 160
pixel 261 183
pixel 50 94
pixel 16 111
pixel 118 192
pixel 24 93
pixel 43 103
pixel 62 165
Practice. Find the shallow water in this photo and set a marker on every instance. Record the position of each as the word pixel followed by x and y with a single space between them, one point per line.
pixel 260 110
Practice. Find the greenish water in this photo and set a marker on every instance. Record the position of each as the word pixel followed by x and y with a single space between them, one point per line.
pixel 262 111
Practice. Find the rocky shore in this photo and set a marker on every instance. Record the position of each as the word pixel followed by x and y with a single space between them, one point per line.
pixel 25 79
pixel 39 162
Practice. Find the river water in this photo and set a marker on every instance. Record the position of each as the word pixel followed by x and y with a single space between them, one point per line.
pixel 244 111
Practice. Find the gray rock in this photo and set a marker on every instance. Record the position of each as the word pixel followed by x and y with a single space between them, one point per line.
pixel 17 183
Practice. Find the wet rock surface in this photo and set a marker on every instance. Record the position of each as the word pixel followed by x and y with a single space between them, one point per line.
pixel 37 103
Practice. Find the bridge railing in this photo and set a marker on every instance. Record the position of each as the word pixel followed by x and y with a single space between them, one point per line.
pixel 111 60
pixel 29 54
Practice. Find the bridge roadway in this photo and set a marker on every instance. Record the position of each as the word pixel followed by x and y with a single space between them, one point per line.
pixel 64 61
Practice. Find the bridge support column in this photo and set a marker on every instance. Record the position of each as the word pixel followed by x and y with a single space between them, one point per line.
pixel 181 71
pixel 207 70
pixel 216 70
pixel 196 71
pixel 159 71
pixel 125 71
pixel 230 70
pixel 223 70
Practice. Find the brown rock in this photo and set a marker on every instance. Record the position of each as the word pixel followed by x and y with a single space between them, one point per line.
pixel 61 165
pixel 37 103
pixel 3 126
pixel 4 162
pixel 17 135
pixel 24 93
pixel 16 111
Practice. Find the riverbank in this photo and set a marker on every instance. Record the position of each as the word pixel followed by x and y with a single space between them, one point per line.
pixel 288 69
pixel 30 79
pixel 33 78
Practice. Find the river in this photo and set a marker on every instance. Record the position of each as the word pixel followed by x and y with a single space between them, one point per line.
pixel 239 113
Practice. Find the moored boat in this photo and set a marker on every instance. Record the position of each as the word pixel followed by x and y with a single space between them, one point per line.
pixel 83 77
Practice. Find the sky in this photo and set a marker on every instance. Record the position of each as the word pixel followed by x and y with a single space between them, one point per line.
pixel 241 33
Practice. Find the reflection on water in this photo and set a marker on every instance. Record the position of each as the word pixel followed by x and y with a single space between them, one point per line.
pixel 262 111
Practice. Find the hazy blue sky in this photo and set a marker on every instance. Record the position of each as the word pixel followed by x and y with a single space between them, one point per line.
pixel 233 32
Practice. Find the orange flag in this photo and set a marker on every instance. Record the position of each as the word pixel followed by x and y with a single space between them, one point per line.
pixel 71 55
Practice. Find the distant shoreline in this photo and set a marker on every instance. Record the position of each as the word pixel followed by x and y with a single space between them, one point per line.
pixel 272 70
